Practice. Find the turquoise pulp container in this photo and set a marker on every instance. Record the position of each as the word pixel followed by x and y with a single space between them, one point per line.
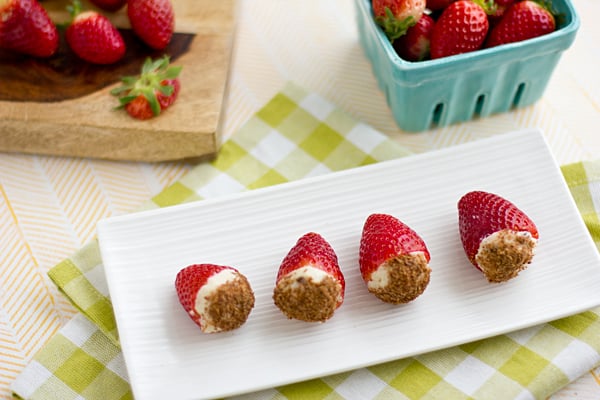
pixel 426 94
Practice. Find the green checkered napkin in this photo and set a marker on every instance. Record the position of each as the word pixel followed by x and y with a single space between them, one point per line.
pixel 298 134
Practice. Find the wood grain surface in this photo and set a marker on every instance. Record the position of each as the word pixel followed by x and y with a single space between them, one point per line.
pixel 62 105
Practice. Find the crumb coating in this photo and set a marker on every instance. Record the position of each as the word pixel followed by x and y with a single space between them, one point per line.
pixel 306 299
pixel 408 277
pixel 504 257
pixel 230 305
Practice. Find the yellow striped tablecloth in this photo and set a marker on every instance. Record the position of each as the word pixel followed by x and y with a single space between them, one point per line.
pixel 49 206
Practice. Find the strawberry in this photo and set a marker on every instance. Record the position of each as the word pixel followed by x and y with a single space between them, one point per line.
pixel 436 5
pixel 25 27
pixel 414 45
pixel 217 298
pixel 154 90
pixel 521 21
pixel 462 27
pixel 396 16
pixel 153 21
pixel 93 37
pixel 109 5
pixel 309 285
pixel 393 259
pixel 498 238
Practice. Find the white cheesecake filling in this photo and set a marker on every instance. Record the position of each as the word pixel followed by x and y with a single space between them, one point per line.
pixel 202 304
pixel 308 272
pixel 497 238
pixel 380 278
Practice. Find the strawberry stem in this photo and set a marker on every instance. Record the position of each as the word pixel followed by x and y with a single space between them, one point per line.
pixel 149 83
pixel 392 26
pixel 74 8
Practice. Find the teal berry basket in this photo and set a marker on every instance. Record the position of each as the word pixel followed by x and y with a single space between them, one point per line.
pixel 434 93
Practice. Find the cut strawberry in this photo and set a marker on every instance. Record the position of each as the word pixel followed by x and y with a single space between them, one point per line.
pixel 498 238
pixel 154 90
pixel 394 260
pixel 26 28
pixel 217 298
pixel 93 37
pixel 309 285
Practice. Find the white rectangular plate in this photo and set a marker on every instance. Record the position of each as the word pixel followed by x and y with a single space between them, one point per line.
pixel 168 357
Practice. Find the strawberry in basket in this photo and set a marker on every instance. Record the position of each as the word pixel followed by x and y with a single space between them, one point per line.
pixel 217 298
pixel 309 285
pixel 396 16
pixel 498 238
pixel 394 260
pixel 521 21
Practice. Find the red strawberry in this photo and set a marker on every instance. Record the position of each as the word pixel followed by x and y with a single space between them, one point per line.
pixel 521 21
pixel 309 285
pixel 25 27
pixel 498 238
pixel 153 21
pixel 414 45
pixel 155 89
pixel 394 260
pixel 109 5
pixel 436 5
pixel 217 298
pixel 462 27
pixel 396 16
pixel 93 37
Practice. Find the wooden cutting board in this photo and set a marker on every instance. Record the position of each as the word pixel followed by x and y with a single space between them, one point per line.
pixel 62 105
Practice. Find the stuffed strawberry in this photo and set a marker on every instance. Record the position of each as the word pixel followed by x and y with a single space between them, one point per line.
pixel 396 16
pixel 309 285
pixel 26 28
pixel 521 21
pixel 93 37
pixel 414 45
pixel 498 238
pixel 153 21
pixel 153 91
pixel 393 259
pixel 217 298
pixel 462 27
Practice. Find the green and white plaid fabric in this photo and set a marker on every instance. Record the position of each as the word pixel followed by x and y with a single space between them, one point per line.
pixel 299 134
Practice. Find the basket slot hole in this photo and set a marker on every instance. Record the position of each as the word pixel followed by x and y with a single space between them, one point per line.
pixel 518 94
pixel 479 104
pixel 437 113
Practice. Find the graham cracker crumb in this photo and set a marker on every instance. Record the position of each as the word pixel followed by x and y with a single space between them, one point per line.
pixel 307 300
pixel 408 277
pixel 504 257
pixel 230 304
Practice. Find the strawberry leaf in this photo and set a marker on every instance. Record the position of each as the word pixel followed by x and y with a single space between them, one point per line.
pixel 149 83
